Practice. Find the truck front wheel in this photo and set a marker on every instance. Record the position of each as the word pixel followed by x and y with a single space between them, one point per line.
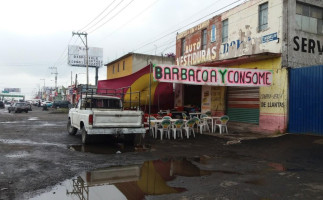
pixel 70 129
pixel 85 136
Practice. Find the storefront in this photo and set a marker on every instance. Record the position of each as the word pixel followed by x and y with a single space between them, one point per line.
pixel 253 93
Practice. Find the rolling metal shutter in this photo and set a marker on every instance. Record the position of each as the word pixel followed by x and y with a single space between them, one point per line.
pixel 243 104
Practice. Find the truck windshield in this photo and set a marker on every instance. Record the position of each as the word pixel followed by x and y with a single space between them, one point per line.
pixel 104 103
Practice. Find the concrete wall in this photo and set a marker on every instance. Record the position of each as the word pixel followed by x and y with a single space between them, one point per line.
pixel 142 60
pixel 300 48
pixel 127 71
pixel 133 63
pixel 273 99
pixel 244 36
pixel 194 54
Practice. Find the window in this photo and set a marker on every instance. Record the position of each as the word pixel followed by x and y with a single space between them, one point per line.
pixel 204 36
pixel 124 65
pixel 113 69
pixel 263 17
pixel 182 46
pixel 225 24
pixel 118 67
pixel 309 18
pixel 213 33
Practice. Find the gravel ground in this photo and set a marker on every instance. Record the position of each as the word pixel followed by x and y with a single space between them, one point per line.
pixel 36 153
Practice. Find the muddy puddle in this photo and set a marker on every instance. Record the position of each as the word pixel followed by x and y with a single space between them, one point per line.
pixel 126 182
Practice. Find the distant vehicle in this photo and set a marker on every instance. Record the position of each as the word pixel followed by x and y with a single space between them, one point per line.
pixel 28 104
pixel 35 102
pixel 7 104
pixel 18 107
pixel 61 104
pixel 1 104
pixel 48 103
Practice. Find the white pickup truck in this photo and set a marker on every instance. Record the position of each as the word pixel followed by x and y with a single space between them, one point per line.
pixel 100 114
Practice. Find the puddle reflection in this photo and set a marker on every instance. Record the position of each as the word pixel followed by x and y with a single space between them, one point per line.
pixel 126 182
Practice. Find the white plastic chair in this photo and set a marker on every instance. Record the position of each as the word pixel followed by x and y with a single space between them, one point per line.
pixel 224 120
pixel 177 127
pixel 165 127
pixel 152 126
pixel 201 124
pixel 189 127
pixel 204 122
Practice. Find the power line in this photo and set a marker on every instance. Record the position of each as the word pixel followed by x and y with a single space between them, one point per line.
pixel 133 18
pixel 112 17
pixel 87 30
pixel 97 16
pixel 186 25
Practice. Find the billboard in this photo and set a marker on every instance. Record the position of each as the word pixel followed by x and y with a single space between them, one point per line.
pixel 77 56
pixel 8 90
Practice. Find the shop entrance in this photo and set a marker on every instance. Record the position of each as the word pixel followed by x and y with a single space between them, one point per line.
pixel 192 95
pixel 243 104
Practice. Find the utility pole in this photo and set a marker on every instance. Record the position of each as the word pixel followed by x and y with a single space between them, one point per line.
pixel 87 56
pixel 42 79
pixel 55 76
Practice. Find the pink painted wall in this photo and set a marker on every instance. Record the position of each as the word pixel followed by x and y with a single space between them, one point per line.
pixel 273 123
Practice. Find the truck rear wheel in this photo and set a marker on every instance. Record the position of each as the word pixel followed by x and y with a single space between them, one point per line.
pixel 85 136
pixel 70 129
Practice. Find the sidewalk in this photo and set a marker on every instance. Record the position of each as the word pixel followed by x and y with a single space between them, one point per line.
pixel 239 132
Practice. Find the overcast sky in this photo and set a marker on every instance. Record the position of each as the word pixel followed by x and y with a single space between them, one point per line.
pixel 35 34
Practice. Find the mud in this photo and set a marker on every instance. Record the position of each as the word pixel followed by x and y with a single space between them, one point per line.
pixel 39 160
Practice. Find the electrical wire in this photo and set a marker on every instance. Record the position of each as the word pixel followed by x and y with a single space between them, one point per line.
pixel 185 26
pixel 112 17
pixel 104 16
pixel 97 16
pixel 128 21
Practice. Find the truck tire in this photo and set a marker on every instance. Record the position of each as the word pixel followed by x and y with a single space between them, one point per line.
pixel 26 111
pixel 85 136
pixel 71 129
pixel 9 111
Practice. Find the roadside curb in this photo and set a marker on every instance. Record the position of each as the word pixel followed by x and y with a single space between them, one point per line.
pixel 238 137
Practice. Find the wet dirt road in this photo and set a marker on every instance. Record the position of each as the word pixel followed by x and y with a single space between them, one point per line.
pixel 39 160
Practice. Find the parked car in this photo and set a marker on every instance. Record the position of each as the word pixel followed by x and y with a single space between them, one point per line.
pixel 48 103
pixel 28 104
pixel 18 107
pixel 61 104
pixel 1 104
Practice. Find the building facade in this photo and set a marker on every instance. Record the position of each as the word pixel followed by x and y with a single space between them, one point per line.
pixel 273 35
pixel 303 57
pixel 133 62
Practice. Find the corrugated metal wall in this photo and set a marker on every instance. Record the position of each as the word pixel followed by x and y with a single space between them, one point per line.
pixel 243 104
pixel 306 100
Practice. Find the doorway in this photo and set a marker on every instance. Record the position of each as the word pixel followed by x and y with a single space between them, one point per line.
pixel 192 95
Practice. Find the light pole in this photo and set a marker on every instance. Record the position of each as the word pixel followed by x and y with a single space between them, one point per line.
pixel 42 79
pixel 55 76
